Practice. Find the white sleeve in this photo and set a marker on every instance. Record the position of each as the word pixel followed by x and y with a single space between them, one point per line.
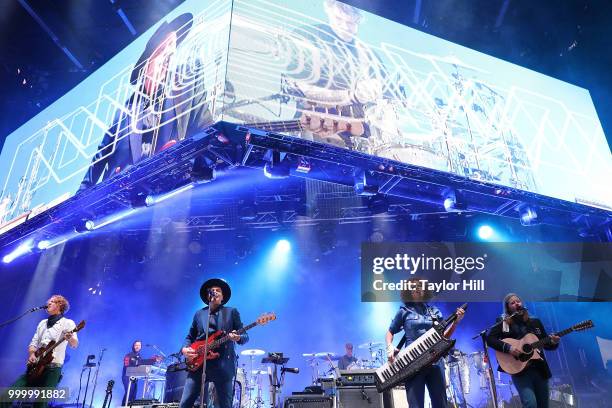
pixel 71 326
pixel 35 342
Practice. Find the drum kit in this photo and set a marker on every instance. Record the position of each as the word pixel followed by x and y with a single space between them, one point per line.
pixel 254 380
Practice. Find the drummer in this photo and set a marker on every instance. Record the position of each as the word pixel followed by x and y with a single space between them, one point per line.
pixel 347 359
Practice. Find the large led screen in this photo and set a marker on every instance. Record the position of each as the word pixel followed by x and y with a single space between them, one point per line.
pixel 163 87
pixel 319 70
pixel 328 72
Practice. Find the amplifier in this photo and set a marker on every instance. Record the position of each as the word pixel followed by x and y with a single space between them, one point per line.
pixel 308 401
pixel 175 380
pixel 359 397
pixel 357 377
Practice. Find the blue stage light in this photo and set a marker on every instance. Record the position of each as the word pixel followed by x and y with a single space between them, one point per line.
pixel 485 232
pixel 283 246
pixel 44 244
pixel 17 252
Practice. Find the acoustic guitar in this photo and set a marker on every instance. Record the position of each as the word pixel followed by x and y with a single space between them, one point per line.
pixel 530 345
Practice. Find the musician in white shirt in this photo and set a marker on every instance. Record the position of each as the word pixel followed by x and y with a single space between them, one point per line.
pixel 55 327
pixel 415 317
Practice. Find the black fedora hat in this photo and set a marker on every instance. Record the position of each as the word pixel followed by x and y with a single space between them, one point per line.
pixel 225 288
pixel 181 25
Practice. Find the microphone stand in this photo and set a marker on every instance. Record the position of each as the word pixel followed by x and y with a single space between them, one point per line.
pixel 490 376
pixel 93 392
pixel 34 309
pixel 203 382
pixel 160 352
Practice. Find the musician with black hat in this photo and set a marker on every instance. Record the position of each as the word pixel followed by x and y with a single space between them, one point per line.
pixel 155 116
pixel 220 371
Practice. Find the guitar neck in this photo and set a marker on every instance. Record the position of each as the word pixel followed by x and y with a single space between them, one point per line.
pixel 562 333
pixel 225 338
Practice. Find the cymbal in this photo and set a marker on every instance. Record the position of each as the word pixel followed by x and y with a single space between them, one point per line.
pixel 325 354
pixel 371 344
pixel 311 355
pixel 257 372
pixel 252 352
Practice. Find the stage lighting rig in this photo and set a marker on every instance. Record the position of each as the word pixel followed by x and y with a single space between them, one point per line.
pixel 277 166
pixel 365 184
pixel 454 201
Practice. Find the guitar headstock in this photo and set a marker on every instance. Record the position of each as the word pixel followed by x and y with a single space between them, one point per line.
pixel 79 326
pixel 265 318
pixel 587 324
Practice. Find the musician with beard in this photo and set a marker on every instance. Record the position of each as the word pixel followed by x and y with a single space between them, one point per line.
pixel 134 359
pixel 515 323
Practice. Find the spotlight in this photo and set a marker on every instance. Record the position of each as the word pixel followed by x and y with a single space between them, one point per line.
pixel 485 232
pixel 44 244
pixel 283 246
pixel 365 185
pixel 140 200
pixel 151 200
pixel 528 216
pixel 453 201
pixel 84 225
pixel 17 252
pixel 276 167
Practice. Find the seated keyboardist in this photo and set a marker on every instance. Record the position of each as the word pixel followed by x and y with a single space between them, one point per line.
pixel 415 317
pixel 134 359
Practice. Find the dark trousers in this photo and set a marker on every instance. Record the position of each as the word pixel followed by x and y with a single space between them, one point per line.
pixel 191 391
pixel 532 388
pixel 133 389
pixel 50 378
pixel 433 377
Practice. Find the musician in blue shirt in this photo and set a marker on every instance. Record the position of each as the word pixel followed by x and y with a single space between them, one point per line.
pixel 222 370
pixel 415 317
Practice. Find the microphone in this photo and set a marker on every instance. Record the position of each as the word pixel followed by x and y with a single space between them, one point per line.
pixel 211 293
pixel 39 308
pixel 291 370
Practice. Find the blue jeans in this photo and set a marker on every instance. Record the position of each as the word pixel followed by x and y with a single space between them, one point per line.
pixel 191 391
pixel 433 377
pixel 532 388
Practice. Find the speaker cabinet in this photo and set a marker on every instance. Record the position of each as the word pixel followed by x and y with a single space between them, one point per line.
pixel 308 401
pixel 359 397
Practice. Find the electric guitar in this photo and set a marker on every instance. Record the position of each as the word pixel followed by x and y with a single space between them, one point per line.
pixel 529 344
pixel 45 356
pixel 205 350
